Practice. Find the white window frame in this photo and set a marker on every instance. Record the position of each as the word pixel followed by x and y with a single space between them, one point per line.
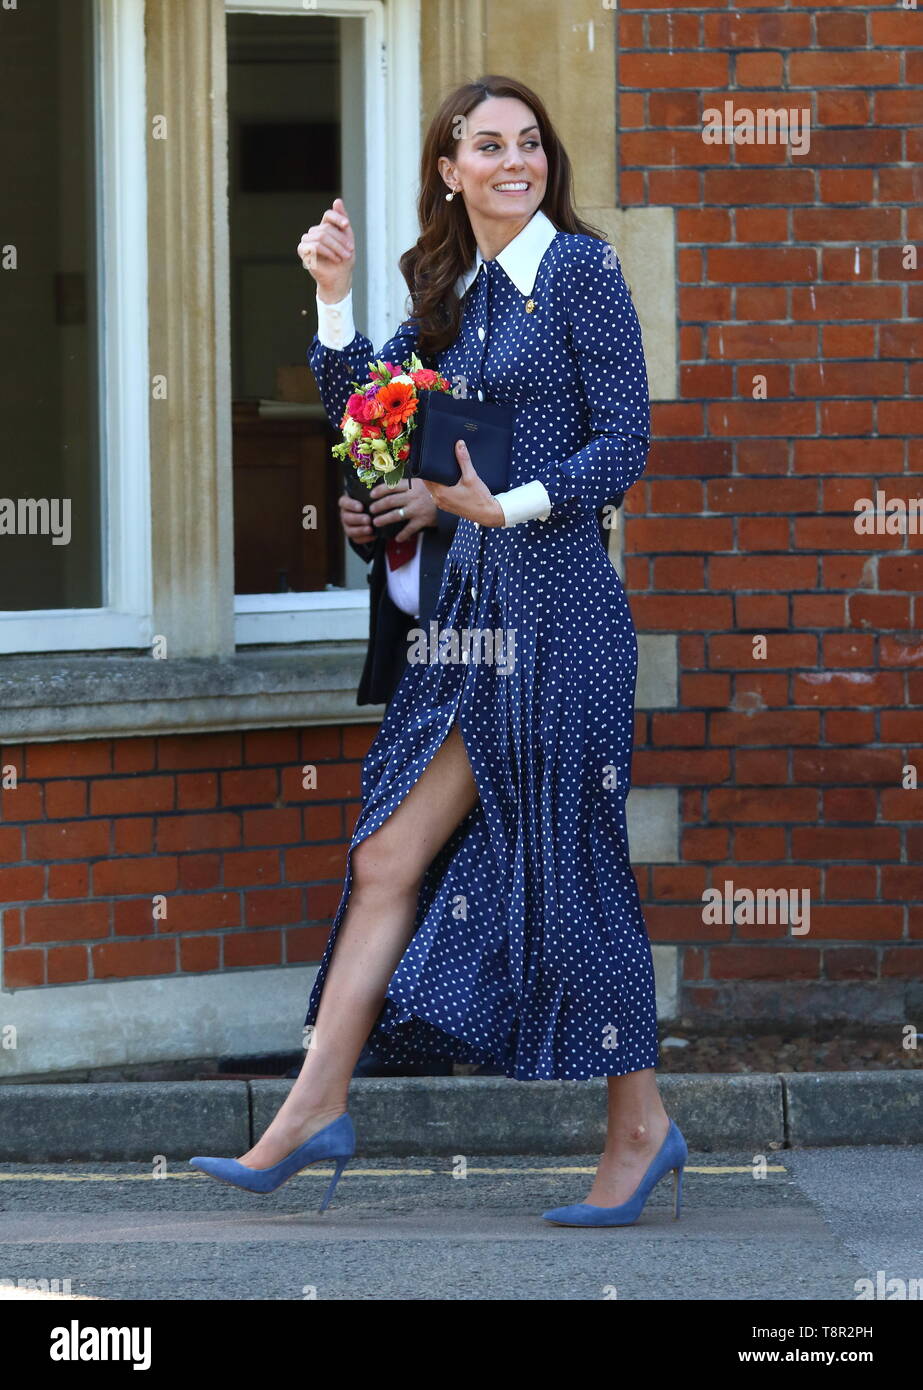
pixel 121 259
pixel 391 63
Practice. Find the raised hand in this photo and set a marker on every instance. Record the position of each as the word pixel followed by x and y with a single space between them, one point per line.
pixel 328 251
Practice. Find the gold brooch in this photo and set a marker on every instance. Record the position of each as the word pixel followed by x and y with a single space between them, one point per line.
pixel 530 305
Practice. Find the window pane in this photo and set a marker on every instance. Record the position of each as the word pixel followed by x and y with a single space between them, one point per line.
pixel 285 75
pixel 50 510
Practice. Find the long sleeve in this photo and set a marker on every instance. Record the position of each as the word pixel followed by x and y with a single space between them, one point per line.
pixel 336 368
pixel 606 337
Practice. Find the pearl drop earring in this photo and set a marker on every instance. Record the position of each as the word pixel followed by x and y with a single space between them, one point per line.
pixel 449 196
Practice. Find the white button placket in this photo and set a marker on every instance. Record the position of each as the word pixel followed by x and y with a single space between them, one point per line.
pixel 489 269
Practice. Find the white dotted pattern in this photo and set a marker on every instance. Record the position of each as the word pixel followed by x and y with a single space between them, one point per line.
pixel 530 949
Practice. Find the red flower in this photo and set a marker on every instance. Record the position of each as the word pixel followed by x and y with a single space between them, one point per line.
pixel 428 380
pixel 399 402
pixel 364 408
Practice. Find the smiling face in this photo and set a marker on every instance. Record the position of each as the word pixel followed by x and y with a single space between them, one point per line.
pixel 500 168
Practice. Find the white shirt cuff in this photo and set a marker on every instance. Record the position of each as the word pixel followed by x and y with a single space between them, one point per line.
pixel 335 327
pixel 526 503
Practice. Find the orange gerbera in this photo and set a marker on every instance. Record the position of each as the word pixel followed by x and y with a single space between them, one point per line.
pixel 398 401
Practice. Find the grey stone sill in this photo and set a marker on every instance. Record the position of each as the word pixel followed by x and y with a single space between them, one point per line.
pixel 47 698
pixel 74 695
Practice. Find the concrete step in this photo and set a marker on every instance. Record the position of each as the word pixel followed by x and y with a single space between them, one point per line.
pixel 112 1121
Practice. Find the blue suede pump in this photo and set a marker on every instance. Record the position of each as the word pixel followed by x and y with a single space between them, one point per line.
pixel 336 1140
pixel 671 1154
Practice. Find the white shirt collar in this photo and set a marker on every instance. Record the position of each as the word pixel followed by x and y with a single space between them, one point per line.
pixel 520 257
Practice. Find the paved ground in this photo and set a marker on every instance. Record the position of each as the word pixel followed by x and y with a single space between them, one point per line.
pixel 817 1222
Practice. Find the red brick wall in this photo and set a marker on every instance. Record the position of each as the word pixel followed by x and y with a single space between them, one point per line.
pixel 789 266
pixel 250 861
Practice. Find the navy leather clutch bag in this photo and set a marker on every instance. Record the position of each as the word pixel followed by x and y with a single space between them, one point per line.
pixel 486 428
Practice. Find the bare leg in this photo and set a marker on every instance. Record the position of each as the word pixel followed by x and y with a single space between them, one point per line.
pixel 388 868
pixel 637 1126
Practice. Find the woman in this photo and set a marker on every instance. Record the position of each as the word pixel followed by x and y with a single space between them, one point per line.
pixel 489 911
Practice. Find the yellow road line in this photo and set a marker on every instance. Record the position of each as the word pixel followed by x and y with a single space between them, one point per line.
pixel 716 1171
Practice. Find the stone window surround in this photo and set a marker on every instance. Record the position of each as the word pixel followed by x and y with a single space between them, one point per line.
pixel 206 684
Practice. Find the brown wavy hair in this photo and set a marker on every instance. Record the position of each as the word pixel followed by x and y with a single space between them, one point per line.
pixel 446 245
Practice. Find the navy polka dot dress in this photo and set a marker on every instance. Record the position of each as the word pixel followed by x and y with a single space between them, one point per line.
pixel 530 950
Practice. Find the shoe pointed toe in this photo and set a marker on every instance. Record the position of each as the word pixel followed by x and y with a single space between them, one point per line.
pixel 583 1214
pixel 573 1215
pixel 203 1163
pixel 227 1169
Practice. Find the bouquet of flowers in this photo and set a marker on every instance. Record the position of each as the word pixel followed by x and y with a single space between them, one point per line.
pixel 380 417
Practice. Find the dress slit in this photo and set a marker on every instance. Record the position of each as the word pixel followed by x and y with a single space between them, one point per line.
pixel 357 839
